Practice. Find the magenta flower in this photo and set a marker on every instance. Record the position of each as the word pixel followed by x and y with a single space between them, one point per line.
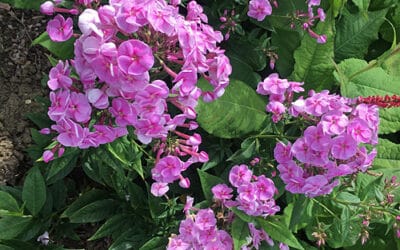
pixel 167 169
pixel 222 192
pixel 273 85
pixel 48 155
pixel 79 107
pixel 301 150
pixel 159 188
pixel 47 8
pixel 205 219
pixel 59 76
pixel 259 9
pixel 240 174
pixel 282 152
pixel 135 57
pixel 123 112
pixel 343 147
pixel 59 29
pixel 360 130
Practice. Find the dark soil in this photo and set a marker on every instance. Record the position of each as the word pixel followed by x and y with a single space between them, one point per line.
pixel 21 70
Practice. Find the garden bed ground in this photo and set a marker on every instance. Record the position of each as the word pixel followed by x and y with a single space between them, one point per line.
pixel 21 70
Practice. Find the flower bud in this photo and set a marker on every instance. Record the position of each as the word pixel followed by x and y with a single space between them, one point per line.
pixel 47 8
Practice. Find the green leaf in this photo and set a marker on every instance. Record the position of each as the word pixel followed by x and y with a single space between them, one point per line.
pixel 85 199
pixel 62 50
pixel 12 226
pixel 155 243
pixel 243 72
pixel 240 231
pixel 40 119
pixel 34 191
pixel 7 202
pixel 278 231
pixel 355 32
pixel 313 61
pixel 110 226
pixel 238 112
pixel 61 167
pixel 286 42
pixel 354 82
pixel 362 4
pixel 388 155
pixel 96 211
pixel 348 198
pixel 248 149
pixel 207 182
pixel 25 4
pixel 242 215
pixel 248 51
pixel 387 29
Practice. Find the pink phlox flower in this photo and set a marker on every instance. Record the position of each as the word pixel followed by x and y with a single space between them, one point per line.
pixel 301 149
pixel 317 104
pixel 123 112
pixel 131 16
pixel 273 85
pixel 47 8
pixel 205 219
pixel 265 188
pixel 240 174
pixel 247 192
pixel 104 134
pixel 314 3
pixel 296 87
pixel 106 15
pixel 71 134
pixel 195 12
pixel 59 76
pixel 368 113
pixel 106 68
pixel 59 103
pixel 167 169
pixel 59 29
pixel 259 9
pixel 319 141
pixel 188 204
pixel 79 108
pixel 150 127
pixel 277 109
pixel 319 158
pixel 185 81
pixel 313 185
pixel 135 57
pixel 282 152
pixel 360 130
pixel 159 189
pixel 89 22
pixel 341 170
pixel 222 192
pixel 98 98
pixel 343 147
pixel 162 17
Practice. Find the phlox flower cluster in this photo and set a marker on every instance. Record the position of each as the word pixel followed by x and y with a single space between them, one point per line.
pixel 257 236
pixel 333 144
pixel 125 51
pixel 255 194
pixel 199 231
pixel 259 9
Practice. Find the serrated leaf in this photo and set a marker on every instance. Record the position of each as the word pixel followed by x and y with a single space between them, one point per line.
pixel 110 226
pixel 238 112
pixel 388 155
pixel 313 61
pixel 95 211
pixel 278 231
pixel 12 226
pixel 355 32
pixel 240 231
pixel 34 191
pixel 207 182
pixel 374 81
pixel 62 50
pixel 7 202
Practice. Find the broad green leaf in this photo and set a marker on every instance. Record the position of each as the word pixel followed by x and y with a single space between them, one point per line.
pixel 299 214
pixel 355 32
pixel 248 52
pixel 208 181
pixel 110 226
pixel 362 4
pixel 7 202
pixel 346 197
pixel 12 226
pixel 34 191
pixel 41 120
pixel 61 167
pixel 382 4
pixel 85 199
pixel 155 243
pixel 25 4
pixel 313 61
pixel 240 231
pixel 391 65
pixel 238 112
pixel 96 211
pixel 388 155
pixel 243 72
pixel 62 50
pixel 248 149
pixel 278 231
pixel 375 81
pixel 286 42
pixel 386 29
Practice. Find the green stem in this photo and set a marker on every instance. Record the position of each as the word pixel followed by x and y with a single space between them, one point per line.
pixel 142 150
